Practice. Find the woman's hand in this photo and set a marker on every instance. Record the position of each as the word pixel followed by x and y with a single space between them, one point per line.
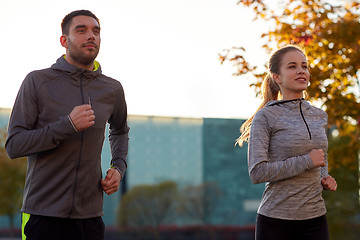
pixel 317 157
pixel 329 183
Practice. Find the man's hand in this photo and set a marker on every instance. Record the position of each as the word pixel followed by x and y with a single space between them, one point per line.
pixel 111 182
pixel 82 117
pixel 329 183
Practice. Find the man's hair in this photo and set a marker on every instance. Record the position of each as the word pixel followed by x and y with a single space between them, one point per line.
pixel 65 24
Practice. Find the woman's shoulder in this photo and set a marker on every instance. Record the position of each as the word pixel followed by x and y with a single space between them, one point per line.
pixel 266 114
pixel 270 110
pixel 316 110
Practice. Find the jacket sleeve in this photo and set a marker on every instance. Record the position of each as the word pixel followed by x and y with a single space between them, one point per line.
pixel 260 168
pixel 324 170
pixel 24 138
pixel 119 134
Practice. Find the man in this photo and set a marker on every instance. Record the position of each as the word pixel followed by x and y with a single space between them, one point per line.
pixel 58 121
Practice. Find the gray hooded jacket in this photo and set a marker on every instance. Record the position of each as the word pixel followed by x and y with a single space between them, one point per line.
pixel 64 166
pixel 281 136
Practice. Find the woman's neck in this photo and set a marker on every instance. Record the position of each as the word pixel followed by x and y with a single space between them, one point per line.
pixel 293 95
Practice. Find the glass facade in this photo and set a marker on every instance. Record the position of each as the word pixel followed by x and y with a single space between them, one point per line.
pixel 226 165
pixel 189 151
pixel 165 148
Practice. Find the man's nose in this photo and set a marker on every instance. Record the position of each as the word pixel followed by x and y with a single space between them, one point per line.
pixel 91 35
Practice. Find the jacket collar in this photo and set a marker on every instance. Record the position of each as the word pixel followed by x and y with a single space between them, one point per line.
pixel 293 103
pixel 277 102
pixel 62 65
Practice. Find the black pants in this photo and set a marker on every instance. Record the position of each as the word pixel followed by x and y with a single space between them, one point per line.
pixel 46 228
pixel 277 229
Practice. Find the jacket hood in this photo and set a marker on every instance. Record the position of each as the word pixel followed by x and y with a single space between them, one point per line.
pixel 73 71
pixel 291 104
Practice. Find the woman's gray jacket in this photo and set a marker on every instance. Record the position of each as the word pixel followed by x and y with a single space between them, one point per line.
pixel 282 135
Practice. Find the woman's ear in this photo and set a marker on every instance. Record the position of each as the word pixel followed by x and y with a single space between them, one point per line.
pixel 276 78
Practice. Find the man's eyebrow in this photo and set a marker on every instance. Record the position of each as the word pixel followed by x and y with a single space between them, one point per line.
pixel 80 26
pixel 84 26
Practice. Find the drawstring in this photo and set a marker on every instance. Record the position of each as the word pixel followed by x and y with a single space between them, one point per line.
pixel 305 121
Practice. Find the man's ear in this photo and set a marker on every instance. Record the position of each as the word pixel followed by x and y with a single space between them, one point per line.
pixel 63 41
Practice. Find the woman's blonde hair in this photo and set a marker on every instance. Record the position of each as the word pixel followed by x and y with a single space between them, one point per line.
pixel 270 90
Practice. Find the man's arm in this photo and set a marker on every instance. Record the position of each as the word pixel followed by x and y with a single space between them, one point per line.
pixel 24 138
pixel 119 144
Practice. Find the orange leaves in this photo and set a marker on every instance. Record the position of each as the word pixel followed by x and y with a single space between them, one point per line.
pixel 235 56
pixel 331 36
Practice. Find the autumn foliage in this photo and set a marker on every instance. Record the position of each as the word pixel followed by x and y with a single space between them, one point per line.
pixel 330 33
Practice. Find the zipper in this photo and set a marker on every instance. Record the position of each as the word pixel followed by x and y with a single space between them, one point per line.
pixel 302 115
pixel 80 153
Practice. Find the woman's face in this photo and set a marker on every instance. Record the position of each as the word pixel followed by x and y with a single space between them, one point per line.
pixel 294 75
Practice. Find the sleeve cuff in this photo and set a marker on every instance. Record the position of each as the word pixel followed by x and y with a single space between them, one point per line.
pixel 72 123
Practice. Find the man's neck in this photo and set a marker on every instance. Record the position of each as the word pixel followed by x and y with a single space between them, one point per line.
pixel 89 67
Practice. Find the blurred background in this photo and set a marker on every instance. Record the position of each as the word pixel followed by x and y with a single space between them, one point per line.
pixel 191 71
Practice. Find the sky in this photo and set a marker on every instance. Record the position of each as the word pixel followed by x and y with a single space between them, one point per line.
pixel 164 52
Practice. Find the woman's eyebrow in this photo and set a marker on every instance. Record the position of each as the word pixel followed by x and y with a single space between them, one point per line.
pixel 295 63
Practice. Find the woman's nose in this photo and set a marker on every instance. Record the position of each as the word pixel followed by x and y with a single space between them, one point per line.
pixel 301 70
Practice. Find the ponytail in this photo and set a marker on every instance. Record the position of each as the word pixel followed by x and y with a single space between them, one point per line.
pixel 270 91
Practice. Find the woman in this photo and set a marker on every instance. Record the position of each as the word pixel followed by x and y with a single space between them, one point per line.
pixel 287 150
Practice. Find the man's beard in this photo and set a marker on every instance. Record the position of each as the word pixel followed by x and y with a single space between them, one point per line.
pixel 82 58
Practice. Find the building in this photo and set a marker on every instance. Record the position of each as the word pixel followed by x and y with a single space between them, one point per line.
pixel 226 164
pixel 4 117
pixel 189 151
pixel 165 148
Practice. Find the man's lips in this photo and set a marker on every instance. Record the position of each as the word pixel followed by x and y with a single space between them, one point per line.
pixel 90 45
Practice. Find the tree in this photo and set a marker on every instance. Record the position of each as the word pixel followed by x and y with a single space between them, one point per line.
pixel 12 178
pixel 148 205
pixel 330 33
pixel 198 203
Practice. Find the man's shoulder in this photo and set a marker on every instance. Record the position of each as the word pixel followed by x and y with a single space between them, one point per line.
pixel 45 72
pixel 110 81
pixel 37 78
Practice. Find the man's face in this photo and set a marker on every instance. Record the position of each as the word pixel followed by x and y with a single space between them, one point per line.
pixel 83 41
